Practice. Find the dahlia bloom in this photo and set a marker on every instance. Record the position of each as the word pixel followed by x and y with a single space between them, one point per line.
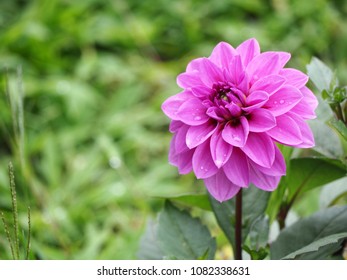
pixel 235 105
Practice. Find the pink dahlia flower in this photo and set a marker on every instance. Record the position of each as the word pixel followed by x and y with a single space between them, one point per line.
pixel 235 105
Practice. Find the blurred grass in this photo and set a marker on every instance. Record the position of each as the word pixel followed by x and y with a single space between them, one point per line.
pixel 94 74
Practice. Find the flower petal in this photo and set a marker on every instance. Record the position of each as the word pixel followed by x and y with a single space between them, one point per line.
pixel 222 54
pixel 260 149
pixel 278 168
pixel 175 126
pixel 261 120
pixel 263 181
pixel 247 50
pixel 235 70
pixel 171 105
pixel 192 112
pixel 294 77
pixel 203 164
pixel 186 80
pixel 220 150
pixel 286 131
pixel 198 134
pixel 220 187
pixel 236 168
pixel 269 84
pixel 210 73
pixel 265 64
pixel 306 132
pixel 201 91
pixel 283 100
pixel 180 139
pixel 236 134
pixel 185 162
pixel 255 100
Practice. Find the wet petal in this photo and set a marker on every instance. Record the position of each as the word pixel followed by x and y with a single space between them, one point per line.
pixel 201 91
pixel 198 134
pixel 248 50
pixel 255 100
pixel 220 187
pixel 265 64
pixel 171 105
pixel 203 164
pixel 236 168
pixel 192 112
pixel 236 134
pixel 269 84
pixel 261 120
pixel 294 77
pixel 220 150
pixel 210 73
pixel 260 149
pixel 286 131
pixel 283 100
pixel 236 70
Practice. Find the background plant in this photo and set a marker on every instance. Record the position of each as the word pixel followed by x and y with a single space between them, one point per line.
pixel 93 155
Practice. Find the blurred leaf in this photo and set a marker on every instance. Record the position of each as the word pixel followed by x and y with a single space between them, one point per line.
pixel 258 254
pixel 254 203
pixel 192 200
pixel 340 127
pixel 321 75
pixel 308 230
pixel 182 236
pixel 307 173
pixel 332 192
pixel 259 232
pixel 149 244
pixel 319 247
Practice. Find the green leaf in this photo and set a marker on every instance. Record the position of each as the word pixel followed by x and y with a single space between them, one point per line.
pixel 307 173
pixel 149 244
pixel 254 203
pixel 339 126
pixel 183 237
pixel 332 192
pixel 259 232
pixel 192 200
pixel 259 254
pixel 308 230
pixel 319 247
pixel 321 75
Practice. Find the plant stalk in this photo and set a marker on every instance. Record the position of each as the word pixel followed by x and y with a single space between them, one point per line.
pixel 238 226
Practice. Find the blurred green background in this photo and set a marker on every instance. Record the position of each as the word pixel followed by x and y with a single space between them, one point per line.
pixel 93 73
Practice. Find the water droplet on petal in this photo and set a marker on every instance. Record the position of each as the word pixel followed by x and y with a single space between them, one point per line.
pixel 201 167
pixel 236 138
pixel 281 101
pixel 197 118
pixel 275 102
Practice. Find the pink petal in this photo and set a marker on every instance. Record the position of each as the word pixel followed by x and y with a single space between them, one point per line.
pixel 220 187
pixel 180 139
pixel 263 181
pixel 260 149
pixel 236 134
pixel 284 58
pixel 248 50
pixel 173 156
pixel 220 150
pixel 175 126
pixel 286 131
pixel 306 132
pixel 184 162
pixel 187 80
pixel 171 105
pixel 210 73
pixel 304 110
pixel 265 64
pixel 222 54
pixel 283 100
pixel 192 112
pixel 278 168
pixel 236 70
pixel 236 168
pixel 261 120
pixel 194 65
pixel 309 97
pixel 269 84
pixel 198 134
pixel 294 77
pixel 203 164
pixel 201 91
pixel 255 100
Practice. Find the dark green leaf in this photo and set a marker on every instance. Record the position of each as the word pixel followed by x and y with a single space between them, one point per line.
pixel 183 237
pixel 340 127
pixel 254 203
pixel 320 247
pixel 332 192
pixel 259 232
pixel 307 173
pixel 149 245
pixel 308 230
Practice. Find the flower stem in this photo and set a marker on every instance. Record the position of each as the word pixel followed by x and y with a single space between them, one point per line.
pixel 238 226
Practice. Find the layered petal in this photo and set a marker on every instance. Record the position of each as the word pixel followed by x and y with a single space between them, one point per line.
pixel 220 187
pixel 172 104
pixel 248 50
pixel 262 180
pixel 236 134
pixel 220 150
pixel 203 164
pixel 261 120
pixel 210 73
pixel 294 77
pixel 198 134
pixel 269 84
pixel 236 168
pixel 265 64
pixel 306 132
pixel 192 112
pixel 222 54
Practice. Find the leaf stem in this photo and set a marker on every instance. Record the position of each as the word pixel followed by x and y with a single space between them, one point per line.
pixel 238 226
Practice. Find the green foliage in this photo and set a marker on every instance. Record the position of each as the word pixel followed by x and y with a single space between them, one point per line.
pixel 304 239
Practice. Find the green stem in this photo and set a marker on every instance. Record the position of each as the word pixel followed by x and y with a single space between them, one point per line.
pixel 238 226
